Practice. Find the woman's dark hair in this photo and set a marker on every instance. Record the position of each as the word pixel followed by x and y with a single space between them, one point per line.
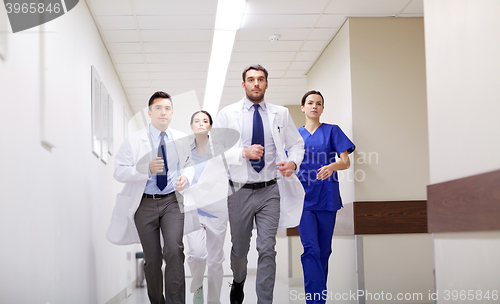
pixel 204 112
pixel 312 93
pixel 160 94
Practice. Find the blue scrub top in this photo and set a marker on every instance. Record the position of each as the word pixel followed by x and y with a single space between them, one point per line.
pixel 320 150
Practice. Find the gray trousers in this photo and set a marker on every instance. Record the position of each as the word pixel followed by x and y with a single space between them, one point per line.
pixel 263 206
pixel 152 217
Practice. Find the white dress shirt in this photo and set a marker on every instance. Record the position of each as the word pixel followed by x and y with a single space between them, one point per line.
pixel 245 173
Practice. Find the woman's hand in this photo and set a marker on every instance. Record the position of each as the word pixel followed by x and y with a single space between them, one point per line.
pixel 324 172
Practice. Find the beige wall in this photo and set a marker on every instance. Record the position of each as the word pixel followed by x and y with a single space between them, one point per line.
pixel 389 108
pixel 373 78
pixel 331 75
pixel 463 77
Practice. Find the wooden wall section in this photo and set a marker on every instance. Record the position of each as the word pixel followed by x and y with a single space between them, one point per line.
pixel 389 217
pixel 466 204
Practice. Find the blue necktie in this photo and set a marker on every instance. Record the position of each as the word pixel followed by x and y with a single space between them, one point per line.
pixel 257 138
pixel 161 178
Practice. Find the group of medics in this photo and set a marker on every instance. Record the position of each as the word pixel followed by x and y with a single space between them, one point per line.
pixel 158 188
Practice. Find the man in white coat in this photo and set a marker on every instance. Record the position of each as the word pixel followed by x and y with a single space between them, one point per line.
pixel 261 179
pixel 155 165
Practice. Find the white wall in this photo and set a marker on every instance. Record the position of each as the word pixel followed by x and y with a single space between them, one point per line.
pixel 56 204
pixel 463 76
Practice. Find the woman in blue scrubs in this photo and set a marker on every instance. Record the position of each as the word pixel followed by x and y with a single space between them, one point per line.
pixel 318 174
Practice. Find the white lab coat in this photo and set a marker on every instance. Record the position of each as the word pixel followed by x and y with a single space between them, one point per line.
pixel 285 136
pixel 131 167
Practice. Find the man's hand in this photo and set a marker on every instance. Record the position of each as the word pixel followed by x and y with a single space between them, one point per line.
pixel 156 165
pixel 286 168
pixel 182 183
pixel 253 152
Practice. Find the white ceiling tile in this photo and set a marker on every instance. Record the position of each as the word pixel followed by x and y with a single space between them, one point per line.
pixel 266 46
pixel 262 56
pixel 278 21
pixel 274 74
pixel 314 45
pixel 284 6
pixel 322 34
pixel 263 34
pixel 124 47
pixel 121 35
pixel 179 83
pixel 307 56
pixel 116 22
pixel 334 21
pixel 139 97
pixel 295 74
pixel 293 81
pixel 233 75
pixel 110 7
pixel 177 46
pixel 176 35
pixel 176 22
pixel 131 67
pixel 366 7
pixel 178 66
pixel 139 91
pixel 415 7
pixel 178 75
pixel 301 65
pixel 234 90
pixel 128 58
pixel 129 84
pixel 178 57
pixel 134 76
pixel 288 89
pixel 175 7
pixel 269 65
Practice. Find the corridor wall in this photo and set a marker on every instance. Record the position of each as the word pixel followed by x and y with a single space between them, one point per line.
pixel 463 92
pixel 373 78
pixel 56 202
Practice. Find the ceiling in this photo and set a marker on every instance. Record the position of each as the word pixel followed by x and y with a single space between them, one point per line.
pixel 165 44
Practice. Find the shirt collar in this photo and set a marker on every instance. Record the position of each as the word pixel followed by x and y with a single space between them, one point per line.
pixel 155 133
pixel 247 104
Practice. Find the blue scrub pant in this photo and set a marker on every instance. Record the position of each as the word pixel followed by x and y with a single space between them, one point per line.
pixel 316 232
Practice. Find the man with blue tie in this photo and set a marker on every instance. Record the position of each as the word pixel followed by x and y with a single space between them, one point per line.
pixel 263 188
pixel 155 165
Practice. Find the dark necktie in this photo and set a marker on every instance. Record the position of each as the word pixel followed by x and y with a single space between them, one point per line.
pixel 257 138
pixel 161 177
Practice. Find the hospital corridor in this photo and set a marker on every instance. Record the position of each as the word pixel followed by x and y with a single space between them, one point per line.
pixel 410 88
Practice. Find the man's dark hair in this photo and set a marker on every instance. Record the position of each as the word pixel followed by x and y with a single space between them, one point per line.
pixel 256 67
pixel 312 93
pixel 204 112
pixel 159 94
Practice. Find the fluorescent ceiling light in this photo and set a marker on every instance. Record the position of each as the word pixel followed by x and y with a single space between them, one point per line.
pixel 227 22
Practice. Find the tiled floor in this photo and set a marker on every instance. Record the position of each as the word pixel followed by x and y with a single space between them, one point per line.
pixel 282 293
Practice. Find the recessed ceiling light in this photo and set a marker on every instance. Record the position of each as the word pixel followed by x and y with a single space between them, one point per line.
pixel 227 22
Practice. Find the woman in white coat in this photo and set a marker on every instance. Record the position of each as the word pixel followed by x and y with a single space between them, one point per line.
pixel 205 244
